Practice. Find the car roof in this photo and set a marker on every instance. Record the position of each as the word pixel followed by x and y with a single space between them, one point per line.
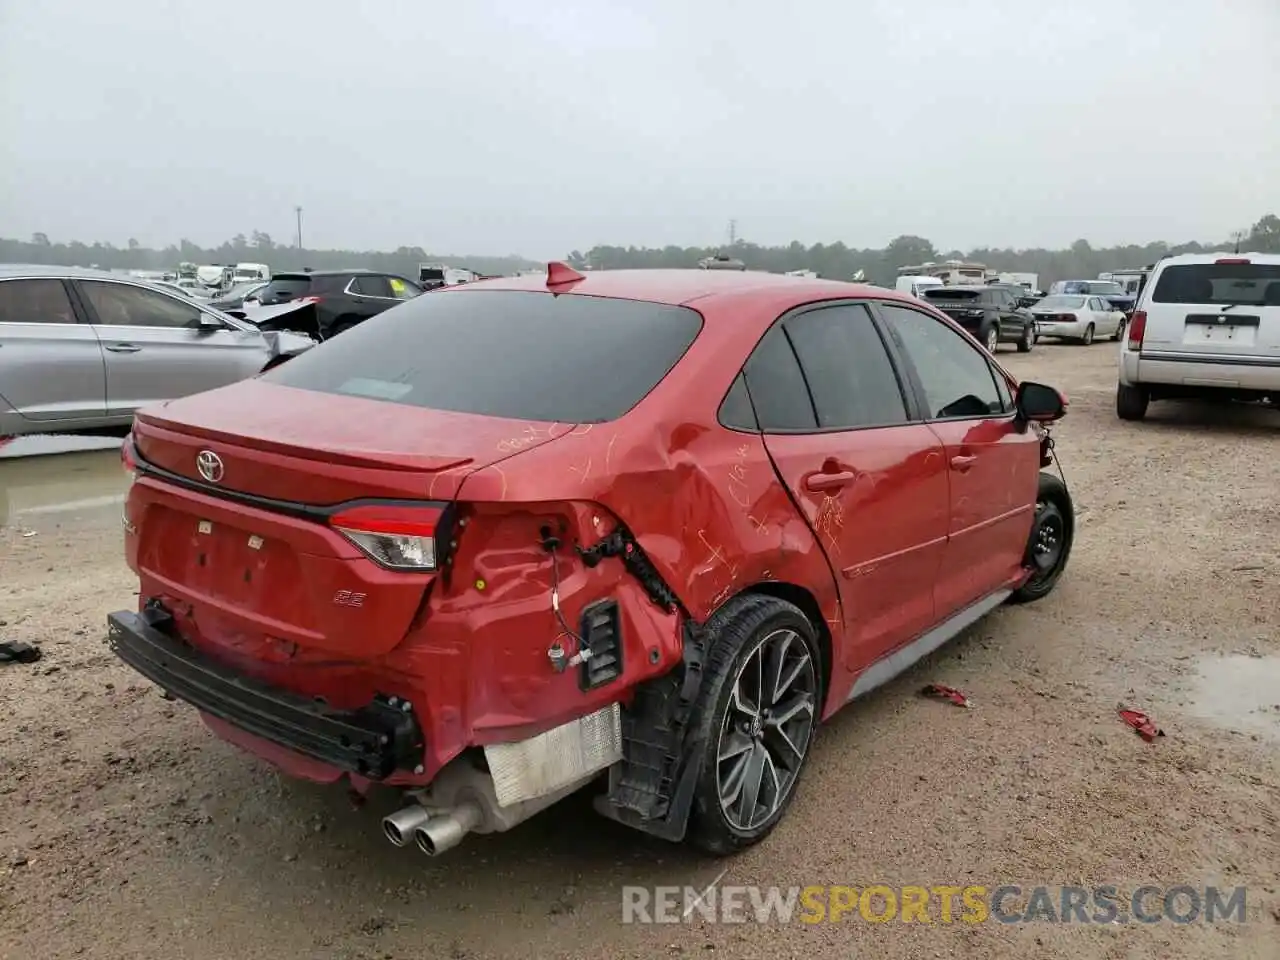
pixel 1192 258
pixel 8 270
pixel 303 274
pixel 687 286
pixel 965 286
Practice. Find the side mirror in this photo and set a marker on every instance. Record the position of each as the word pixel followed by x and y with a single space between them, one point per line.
pixel 210 324
pixel 1039 403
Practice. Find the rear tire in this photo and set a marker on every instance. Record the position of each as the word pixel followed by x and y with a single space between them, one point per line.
pixel 1131 402
pixel 1087 339
pixel 342 326
pixel 754 720
pixel 1049 543
pixel 991 339
pixel 1028 339
pixel 1119 332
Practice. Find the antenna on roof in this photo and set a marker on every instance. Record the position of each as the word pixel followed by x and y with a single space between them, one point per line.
pixel 559 274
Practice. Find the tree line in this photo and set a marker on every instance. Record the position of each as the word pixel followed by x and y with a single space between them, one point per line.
pixel 1079 261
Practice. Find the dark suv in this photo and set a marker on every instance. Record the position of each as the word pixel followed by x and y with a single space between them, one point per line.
pixel 991 314
pixel 330 301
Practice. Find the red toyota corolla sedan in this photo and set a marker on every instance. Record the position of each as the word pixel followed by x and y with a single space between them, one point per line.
pixel 638 528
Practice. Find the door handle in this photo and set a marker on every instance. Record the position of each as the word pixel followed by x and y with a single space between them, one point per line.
pixel 123 348
pixel 962 462
pixel 817 482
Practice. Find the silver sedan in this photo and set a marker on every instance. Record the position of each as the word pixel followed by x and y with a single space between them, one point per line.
pixel 81 350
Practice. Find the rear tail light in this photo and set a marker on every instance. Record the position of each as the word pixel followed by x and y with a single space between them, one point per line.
pixel 394 536
pixel 1137 327
pixel 306 301
pixel 127 458
pixel 1235 260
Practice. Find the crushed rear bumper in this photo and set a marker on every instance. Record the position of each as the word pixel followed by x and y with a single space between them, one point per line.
pixel 374 741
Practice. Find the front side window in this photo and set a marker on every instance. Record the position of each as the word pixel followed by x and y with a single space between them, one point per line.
pixel 957 379
pixel 402 289
pixel 124 305
pixel 35 301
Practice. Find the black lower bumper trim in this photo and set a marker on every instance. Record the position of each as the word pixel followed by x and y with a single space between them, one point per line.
pixel 373 741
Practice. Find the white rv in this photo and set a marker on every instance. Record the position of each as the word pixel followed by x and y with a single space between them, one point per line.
pixel 916 284
pixel 250 273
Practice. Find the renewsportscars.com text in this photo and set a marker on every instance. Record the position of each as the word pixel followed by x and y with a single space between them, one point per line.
pixel 944 904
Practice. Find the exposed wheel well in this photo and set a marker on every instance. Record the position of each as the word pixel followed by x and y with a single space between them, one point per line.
pixel 808 604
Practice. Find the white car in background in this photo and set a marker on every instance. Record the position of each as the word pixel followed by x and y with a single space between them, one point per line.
pixel 1206 326
pixel 1080 318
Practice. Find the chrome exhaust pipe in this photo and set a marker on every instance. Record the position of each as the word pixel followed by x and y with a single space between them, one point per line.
pixel 445 832
pixel 399 826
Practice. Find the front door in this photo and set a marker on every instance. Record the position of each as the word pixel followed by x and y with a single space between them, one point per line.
pixel 992 459
pixel 870 480
pixel 51 365
pixel 156 349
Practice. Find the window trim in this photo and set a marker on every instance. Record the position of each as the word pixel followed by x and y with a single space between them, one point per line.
pixel 917 385
pixel 76 310
pixel 228 322
pixel 897 363
pixel 385 276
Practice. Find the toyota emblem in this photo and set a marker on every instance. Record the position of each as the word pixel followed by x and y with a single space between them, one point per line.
pixel 210 465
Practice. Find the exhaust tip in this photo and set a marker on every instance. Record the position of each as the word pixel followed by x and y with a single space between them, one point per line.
pixel 393 832
pixel 399 826
pixel 425 842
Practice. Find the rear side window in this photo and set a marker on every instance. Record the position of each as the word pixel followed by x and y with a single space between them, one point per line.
pixel 847 368
pixel 1255 284
pixel 35 301
pixel 777 387
pixel 371 286
pixel 503 353
pixel 736 411
pixel 284 289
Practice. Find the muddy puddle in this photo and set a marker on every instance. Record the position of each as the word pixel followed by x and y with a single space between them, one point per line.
pixel 58 488
pixel 1238 693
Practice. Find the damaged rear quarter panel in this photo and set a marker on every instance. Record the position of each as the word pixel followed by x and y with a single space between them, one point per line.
pixel 703 502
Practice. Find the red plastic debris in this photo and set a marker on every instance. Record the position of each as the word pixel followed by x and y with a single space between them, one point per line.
pixel 936 691
pixel 1141 723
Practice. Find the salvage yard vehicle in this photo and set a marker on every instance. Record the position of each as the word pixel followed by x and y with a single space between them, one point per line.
pixel 81 350
pixel 990 313
pixel 1206 326
pixel 645 527
pixel 1077 318
pixel 325 303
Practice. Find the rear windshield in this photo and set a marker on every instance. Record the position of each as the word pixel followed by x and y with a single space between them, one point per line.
pixel 1061 303
pixel 501 353
pixel 950 293
pixel 284 289
pixel 1219 283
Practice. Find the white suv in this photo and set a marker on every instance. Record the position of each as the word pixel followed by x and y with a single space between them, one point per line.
pixel 1205 325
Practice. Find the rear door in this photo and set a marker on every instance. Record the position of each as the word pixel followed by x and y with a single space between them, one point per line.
pixel 993 461
pixel 51 365
pixel 156 349
pixel 1226 309
pixel 869 478
pixel 371 293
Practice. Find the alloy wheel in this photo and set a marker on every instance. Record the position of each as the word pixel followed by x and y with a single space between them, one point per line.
pixel 993 340
pixel 766 729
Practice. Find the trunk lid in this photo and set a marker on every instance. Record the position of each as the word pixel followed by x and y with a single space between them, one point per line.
pixel 288 444
pixel 249 549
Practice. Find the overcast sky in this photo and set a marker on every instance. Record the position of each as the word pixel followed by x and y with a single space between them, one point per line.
pixel 538 126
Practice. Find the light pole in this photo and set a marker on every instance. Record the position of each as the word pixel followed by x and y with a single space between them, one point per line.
pixel 298 212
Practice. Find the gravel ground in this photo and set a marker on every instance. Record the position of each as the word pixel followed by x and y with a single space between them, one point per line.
pixel 130 831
